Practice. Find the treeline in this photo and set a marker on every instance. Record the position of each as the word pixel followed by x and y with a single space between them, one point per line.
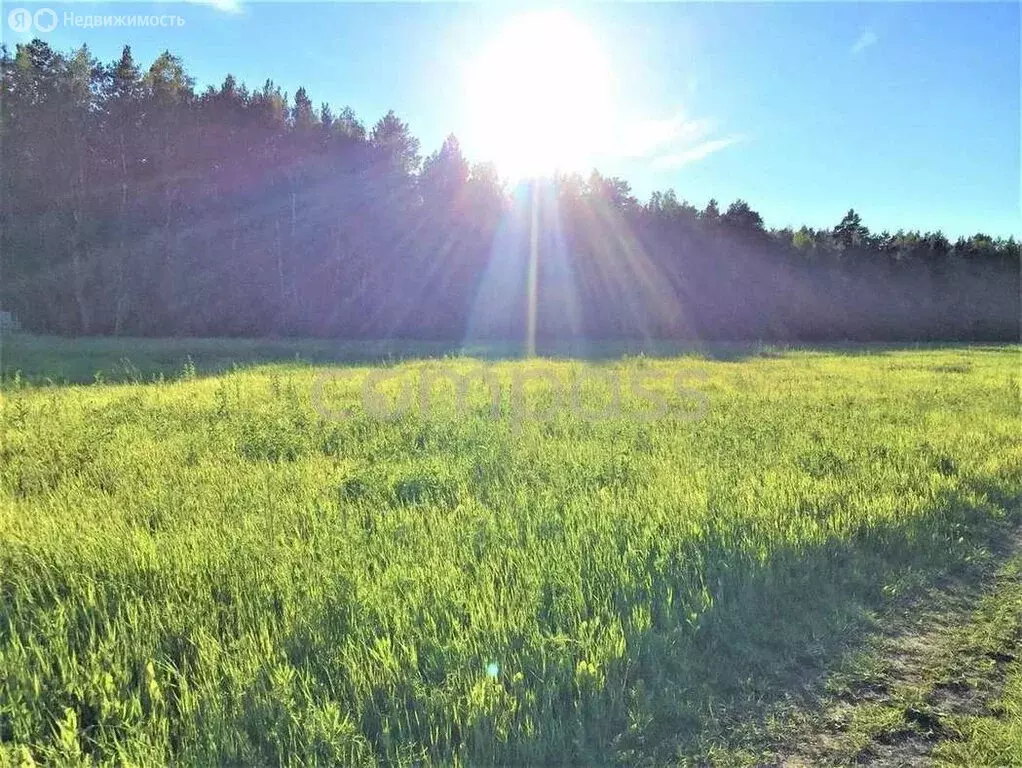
pixel 133 204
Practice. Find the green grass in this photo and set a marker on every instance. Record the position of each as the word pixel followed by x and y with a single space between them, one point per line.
pixel 205 570
pixel 992 736
pixel 934 683
pixel 993 739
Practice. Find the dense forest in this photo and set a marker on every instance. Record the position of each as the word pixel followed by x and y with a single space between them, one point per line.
pixel 133 204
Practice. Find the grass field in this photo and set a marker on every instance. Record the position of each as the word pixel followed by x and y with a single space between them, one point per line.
pixel 207 558
pixel 993 735
pixel 992 740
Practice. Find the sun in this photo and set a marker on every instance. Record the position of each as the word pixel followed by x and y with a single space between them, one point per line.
pixel 540 96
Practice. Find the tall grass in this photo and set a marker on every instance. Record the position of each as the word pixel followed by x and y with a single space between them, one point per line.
pixel 209 570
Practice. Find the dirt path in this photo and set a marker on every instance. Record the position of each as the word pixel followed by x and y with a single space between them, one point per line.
pixel 943 661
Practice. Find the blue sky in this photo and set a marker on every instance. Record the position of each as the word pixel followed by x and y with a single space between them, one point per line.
pixel 907 112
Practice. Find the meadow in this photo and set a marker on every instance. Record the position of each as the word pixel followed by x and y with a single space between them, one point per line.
pixel 219 553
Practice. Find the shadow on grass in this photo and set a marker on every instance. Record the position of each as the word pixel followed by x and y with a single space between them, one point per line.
pixel 59 360
pixel 44 359
pixel 749 627
pixel 770 630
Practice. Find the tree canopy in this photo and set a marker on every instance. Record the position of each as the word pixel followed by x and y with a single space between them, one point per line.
pixel 133 204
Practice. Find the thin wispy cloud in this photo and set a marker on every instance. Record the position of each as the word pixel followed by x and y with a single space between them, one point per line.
pixel 648 137
pixel 866 39
pixel 673 160
pixel 669 143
